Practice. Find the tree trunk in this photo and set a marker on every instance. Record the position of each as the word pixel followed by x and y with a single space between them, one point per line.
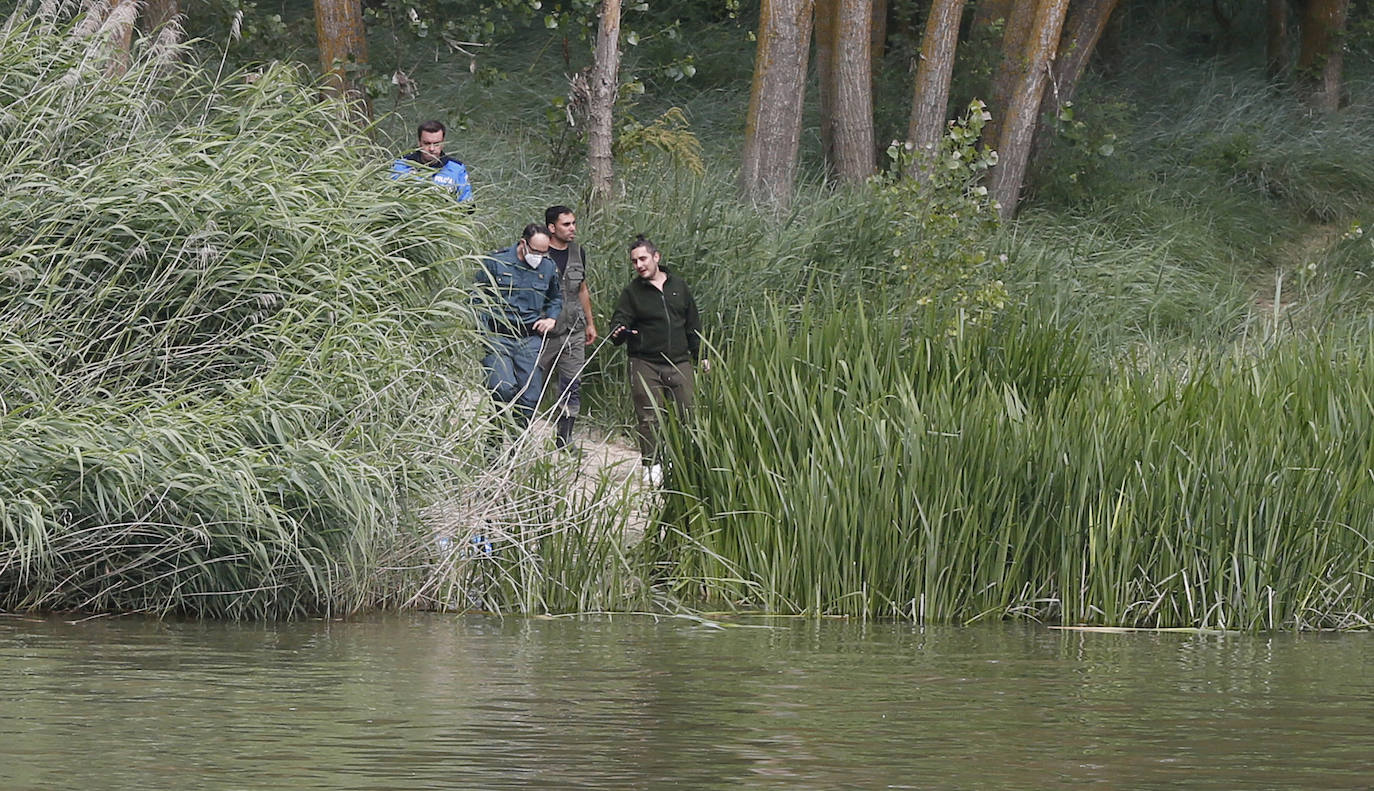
pixel 931 99
pixel 853 76
pixel 827 28
pixel 1022 113
pixel 158 13
pixel 1321 58
pixel 605 82
pixel 987 12
pixel 1013 66
pixel 878 34
pixel 772 130
pixel 1086 23
pixel 343 51
pixel 123 14
pixel 1081 34
pixel 1276 43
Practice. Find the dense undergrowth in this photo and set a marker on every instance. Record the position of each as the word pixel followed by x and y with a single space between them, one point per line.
pixel 1139 404
pixel 854 468
pixel 233 373
pixel 1151 420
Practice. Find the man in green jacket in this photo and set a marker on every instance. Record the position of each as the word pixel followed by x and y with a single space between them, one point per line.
pixel 656 317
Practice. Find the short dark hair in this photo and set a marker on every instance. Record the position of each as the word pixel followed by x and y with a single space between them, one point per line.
pixel 431 127
pixel 642 241
pixel 532 229
pixel 552 213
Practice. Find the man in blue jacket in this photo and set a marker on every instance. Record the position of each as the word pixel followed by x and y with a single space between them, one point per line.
pixel 520 299
pixel 429 160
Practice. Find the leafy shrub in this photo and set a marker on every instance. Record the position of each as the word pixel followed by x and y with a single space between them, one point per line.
pixel 226 334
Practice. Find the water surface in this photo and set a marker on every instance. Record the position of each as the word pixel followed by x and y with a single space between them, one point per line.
pixel 462 702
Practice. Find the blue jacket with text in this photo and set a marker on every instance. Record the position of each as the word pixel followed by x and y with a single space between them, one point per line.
pixel 450 174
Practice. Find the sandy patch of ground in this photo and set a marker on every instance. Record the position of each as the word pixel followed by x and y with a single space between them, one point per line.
pixel 498 510
pixel 607 474
pixel 605 456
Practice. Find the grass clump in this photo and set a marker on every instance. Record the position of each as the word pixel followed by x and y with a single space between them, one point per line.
pixel 234 365
pixel 1205 190
pixel 852 467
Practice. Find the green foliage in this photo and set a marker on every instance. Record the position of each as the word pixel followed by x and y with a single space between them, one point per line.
pixel 853 466
pixel 941 222
pixel 1143 274
pixel 233 377
pixel 1209 135
pixel 1085 140
pixel 244 28
pixel 576 553
pixel 1201 227
pixel 467 28
pixel 669 135
pixel 635 144
pixel 226 337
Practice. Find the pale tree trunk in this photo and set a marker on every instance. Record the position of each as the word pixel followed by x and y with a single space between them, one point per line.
pixel 158 13
pixel 853 76
pixel 1082 31
pixel 1012 68
pixel 826 30
pixel 605 82
pixel 878 34
pixel 1086 22
pixel 123 14
pixel 343 47
pixel 930 102
pixel 1022 113
pixel 1276 40
pixel 772 129
pixel 1321 58
pixel 844 71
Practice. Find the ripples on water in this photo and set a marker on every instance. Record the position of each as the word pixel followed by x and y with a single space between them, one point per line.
pixel 459 702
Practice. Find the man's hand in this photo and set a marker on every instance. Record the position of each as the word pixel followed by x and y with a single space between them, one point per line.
pixel 542 326
pixel 591 334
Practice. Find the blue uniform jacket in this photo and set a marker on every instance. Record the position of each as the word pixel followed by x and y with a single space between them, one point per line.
pixel 452 175
pixel 514 296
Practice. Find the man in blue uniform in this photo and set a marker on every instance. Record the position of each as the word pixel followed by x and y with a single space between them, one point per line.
pixel 520 301
pixel 429 160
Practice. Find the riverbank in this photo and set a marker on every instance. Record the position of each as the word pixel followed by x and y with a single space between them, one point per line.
pixel 243 380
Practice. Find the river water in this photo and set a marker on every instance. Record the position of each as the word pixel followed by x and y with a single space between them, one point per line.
pixel 434 701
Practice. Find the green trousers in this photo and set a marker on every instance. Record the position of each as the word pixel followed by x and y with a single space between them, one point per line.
pixel 653 386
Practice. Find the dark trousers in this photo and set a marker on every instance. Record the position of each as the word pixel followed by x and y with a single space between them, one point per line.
pixel 513 374
pixel 654 385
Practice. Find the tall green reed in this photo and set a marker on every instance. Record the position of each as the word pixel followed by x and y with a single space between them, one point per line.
pixel 855 467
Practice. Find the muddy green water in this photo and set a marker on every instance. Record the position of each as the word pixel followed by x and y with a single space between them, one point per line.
pixel 458 702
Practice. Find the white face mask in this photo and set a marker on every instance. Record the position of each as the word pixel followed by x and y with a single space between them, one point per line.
pixel 533 259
